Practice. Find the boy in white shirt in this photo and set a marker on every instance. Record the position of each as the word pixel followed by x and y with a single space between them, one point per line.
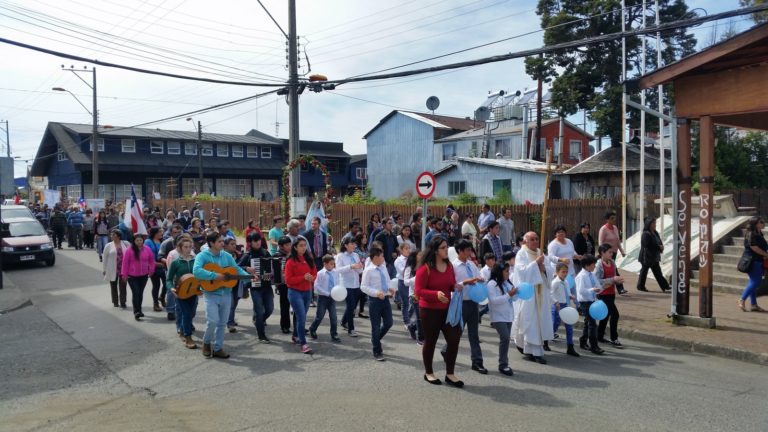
pixel 490 260
pixel 327 278
pixel 375 284
pixel 587 286
pixel 402 288
pixel 560 294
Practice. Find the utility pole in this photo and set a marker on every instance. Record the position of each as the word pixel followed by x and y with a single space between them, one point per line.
pixel 293 104
pixel 7 137
pixel 200 154
pixel 539 95
pixel 94 141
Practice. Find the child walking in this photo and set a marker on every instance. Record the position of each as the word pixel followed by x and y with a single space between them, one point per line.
pixel 586 287
pixel 560 298
pixel 402 289
pixel 610 281
pixel 327 278
pixel 409 279
pixel 501 295
pixel 375 284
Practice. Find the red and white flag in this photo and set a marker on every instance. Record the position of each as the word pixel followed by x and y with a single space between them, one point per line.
pixel 17 198
pixel 134 217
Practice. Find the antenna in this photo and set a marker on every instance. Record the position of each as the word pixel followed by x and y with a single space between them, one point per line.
pixel 432 103
pixel 482 114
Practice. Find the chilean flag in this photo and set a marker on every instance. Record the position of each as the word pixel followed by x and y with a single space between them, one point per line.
pixel 17 198
pixel 81 202
pixel 134 218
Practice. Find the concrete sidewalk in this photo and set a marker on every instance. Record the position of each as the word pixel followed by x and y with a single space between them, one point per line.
pixel 739 335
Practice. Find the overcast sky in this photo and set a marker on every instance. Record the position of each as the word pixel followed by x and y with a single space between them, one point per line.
pixel 236 40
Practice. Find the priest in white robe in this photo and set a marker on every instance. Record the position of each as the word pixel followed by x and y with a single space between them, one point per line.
pixel 532 326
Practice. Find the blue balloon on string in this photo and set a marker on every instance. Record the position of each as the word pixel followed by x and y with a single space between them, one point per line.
pixel 571 281
pixel 525 291
pixel 598 310
pixel 478 292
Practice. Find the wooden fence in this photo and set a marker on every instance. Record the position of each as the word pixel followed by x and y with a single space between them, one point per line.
pixel 570 213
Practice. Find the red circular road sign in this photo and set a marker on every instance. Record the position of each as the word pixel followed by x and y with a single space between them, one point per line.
pixel 425 184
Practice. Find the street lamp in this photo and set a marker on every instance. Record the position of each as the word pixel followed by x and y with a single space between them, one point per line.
pixel 94 114
pixel 199 152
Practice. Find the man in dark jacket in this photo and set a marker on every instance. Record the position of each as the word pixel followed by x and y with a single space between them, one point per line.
pixel 651 248
pixel 59 226
pixel 388 242
pixel 75 223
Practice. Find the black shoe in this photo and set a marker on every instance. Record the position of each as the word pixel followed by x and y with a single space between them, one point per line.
pixel 540 360
pixel 584 345
pixel 596 350
pixel 529 357
pixel 412 331
pixel 546 346
pixel 379 357
pixel 137 317
pixel 115 305
pixel 264 340
pixel 572 352
pixel 362 315
pixel 141 314
pixel 479 368
pixel 616 343
pixel 285 330
pixel 335 338
pixel 171 316
pixel 519 349
pixel 435 381
pixel 642 289
pixel 123 306
pixel 506 370
pixel 399 306
pixel 457 384
pixel 312 334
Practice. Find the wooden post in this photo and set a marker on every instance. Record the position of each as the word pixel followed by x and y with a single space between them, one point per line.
pixel 706 195
pixel 683 221
pixel 542 239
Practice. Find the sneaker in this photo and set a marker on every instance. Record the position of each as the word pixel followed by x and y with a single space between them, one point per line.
pixel 362 315
pixel 352 333
pixel 295 340
pixel 556 336
pixel 756 308
pixel 171 316
pixel 264 340
pixel 285 330
pixel 306 349
pixel 220 354
pixel 379 357
pixel 420 342
pixel 312 334
pixel 232 329
pixel 312 304
pixel 156 307
pixel 617 344
pixel 412 331
pixel 335 338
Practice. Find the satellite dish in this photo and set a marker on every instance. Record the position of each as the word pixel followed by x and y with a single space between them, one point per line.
pixel 482 114
pixel 432 103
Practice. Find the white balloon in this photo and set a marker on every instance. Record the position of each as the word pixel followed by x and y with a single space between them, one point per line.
pixel 569 315
pixel 339 293
pixel 393 284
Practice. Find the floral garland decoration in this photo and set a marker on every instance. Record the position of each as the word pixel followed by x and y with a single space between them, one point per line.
pixel 301 160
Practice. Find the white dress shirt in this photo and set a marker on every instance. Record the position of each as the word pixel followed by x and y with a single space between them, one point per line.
pixel 400 266
pixel 350 277
pixel 465 270
pixel 500 307
pixel 559 290
pixel 323 279
pixel 409 280
pixel 585 281
pixel 371 283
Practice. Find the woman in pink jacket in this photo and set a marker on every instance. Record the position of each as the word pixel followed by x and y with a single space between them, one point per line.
pixel 138 264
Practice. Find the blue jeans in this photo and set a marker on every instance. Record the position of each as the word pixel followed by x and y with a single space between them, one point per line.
pixel 402 289
pixel 380 312
pixel 755 279
pixel 353 297
pixel 415 318
pixel 300 303
pixel 556 324
pixel 325 303
pixel 170 301
pixel 263 305
pixel 101 242
pixel 185 313
pixel 216 313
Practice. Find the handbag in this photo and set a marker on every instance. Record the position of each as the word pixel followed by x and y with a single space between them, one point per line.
pixel 745 262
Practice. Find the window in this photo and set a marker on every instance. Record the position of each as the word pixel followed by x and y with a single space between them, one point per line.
pixel 361 173
pixel 457 187
pixel 233 188
pixel 237 151
pixel 449 151
pixel 174 148
pixel 123 192
pixel 128 145
pixel 73 192
pixel 543 148
pixel 190 149
pixel 332 165
pixel 574 149
pixel 101 145
pixel 555 150
pixel 62 155
pixel 192 185
pixel 499 185
pixel 222 150
pixel 474 150
pixel 156 147
pixel 266 152
pixel 265 190
pixel 207 149
pixel 252 151
pixel 503 147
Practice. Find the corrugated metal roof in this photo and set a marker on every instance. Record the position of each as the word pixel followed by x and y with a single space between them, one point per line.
pixel 129 132
pixel 434 120
pixel 520 164
pixel 503 130
pixel 609 160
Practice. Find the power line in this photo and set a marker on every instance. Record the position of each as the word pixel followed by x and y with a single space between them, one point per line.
pixel 131 68
pixel 272 18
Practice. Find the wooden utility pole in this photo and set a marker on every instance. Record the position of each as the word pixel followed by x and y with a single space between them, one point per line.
pixel 542 239
pixel 683 216
pixel 706 194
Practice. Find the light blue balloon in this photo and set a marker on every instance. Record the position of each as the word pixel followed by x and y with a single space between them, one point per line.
pixel 478 292
pixel 525 291
pixel 571 281
pixel 598 310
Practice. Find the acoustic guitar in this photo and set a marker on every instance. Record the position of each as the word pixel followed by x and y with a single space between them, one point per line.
pixel 189 286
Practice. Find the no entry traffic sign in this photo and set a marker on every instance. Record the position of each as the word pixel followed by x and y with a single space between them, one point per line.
pixel 425 185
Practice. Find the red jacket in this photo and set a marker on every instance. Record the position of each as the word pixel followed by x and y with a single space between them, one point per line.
pixel 429 281
pixel 295 271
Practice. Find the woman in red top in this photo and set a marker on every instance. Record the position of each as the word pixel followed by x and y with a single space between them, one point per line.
pixel 435 282
pixel 300 273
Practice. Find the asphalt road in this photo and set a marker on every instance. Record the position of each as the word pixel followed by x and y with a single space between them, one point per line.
pixel 70 361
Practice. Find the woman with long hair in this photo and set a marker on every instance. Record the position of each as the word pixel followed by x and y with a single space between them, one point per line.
pixel 361 240
pixel 435 282
pixel 185 308
pixel 158 275
pixel 101 229
pixel 755 244
pixel 300 273
pixel 406 236
pixel 374 223
pixel 350 267
pixel 651 248
pixel 112 265
pixel 501 293
pixel 138 264
pixel 608 276
pixel 583 244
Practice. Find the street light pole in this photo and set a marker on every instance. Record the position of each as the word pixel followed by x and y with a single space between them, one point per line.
pixel 7 137
pixel 95 141
pixel 293 105
pixel 200 154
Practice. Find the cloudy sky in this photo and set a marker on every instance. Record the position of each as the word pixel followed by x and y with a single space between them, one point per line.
pixel 236 40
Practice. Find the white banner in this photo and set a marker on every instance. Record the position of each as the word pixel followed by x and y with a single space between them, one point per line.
pixel 51 197
pixel 95 204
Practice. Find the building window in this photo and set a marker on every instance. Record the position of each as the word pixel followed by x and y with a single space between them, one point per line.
pixel 252 151
pixel 128 145
pixel 207 149
pixel 500 185
pixel 123 192
pixel 72 192
pixel 101 145
pixel 574 149
pixel 265 190
pixel 222 150
pixel 474 151
pixel 190 149
pixel 266 152
pixel 233 188
pixel 332 165
pixel 174 148
pixel 361 173
pixel 457 187
pixel 237 151
pixel 503 147
pixel 62 155
pixel 543 148
pixel 156 147
pixel 191 185
pixel 449 151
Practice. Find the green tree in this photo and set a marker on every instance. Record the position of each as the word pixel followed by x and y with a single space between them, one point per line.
pixel 590 77
pixel 758 17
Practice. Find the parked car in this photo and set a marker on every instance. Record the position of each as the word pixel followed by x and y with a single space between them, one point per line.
pixel 15 211
pixel 25 240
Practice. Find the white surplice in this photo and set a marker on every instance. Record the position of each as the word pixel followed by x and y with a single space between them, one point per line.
pixel 533 317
